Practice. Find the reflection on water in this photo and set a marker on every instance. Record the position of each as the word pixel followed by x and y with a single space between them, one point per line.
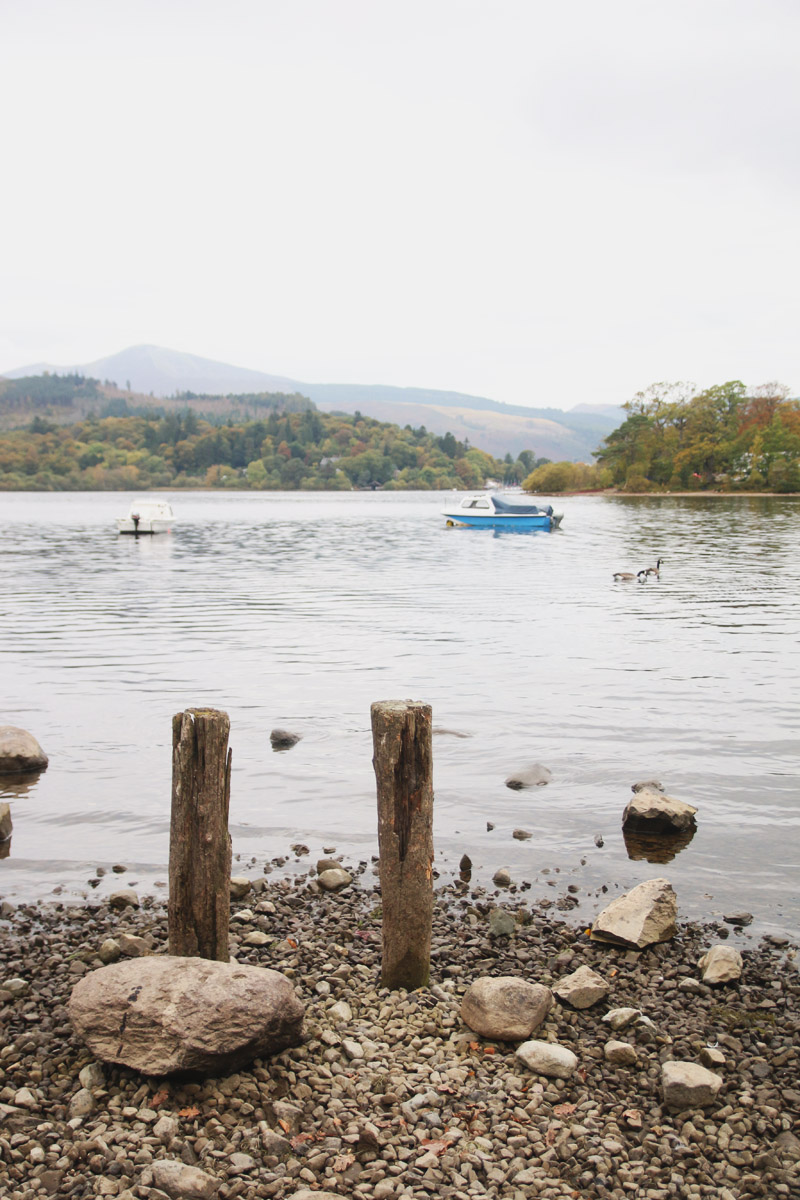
pixel 656 847
pixel 300 610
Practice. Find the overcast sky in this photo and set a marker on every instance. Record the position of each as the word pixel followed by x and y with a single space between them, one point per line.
pixel 540 202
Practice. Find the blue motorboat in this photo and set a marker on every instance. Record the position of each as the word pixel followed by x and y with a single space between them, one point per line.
pixel 491 511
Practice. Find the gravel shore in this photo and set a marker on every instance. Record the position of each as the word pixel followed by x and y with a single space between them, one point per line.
pixel 390 1094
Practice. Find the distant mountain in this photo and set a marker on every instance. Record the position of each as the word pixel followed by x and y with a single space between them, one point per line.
pixel 489 424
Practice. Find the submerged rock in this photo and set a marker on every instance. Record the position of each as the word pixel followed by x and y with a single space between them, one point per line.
pixel 19 751
pixel 284 739
pixel 533 776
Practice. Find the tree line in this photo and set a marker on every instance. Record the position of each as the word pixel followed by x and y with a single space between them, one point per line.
pixel 677 439
pixel 287 450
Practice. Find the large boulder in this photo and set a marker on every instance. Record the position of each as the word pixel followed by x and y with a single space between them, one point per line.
pixel 722 964
pixel 19 751
pixel 162 1014
pixel 505 1008
pixel 642 916
pixel 650 810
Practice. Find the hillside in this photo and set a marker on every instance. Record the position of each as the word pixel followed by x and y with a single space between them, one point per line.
pixel 498 428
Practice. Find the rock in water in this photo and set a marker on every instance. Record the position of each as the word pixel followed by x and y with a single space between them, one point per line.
pixel 722 964
pixel 535 776
pixel 19 751
pixel 505 1007
pixel 284 739
pixel 5 822
pixel 651 811
pixel 162 1014
pixel 642 916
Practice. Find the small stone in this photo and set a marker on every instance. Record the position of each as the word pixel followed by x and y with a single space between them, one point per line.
pixel 712 1056
pixel 534 776
pixel 502 923
pixel 599 840
pixel 256 938
pixel 620 1054
pixel 502 877
pixel 240 886
pixel 582 988
pixel 82 1104
pixel 352 1049
pixel 92 1076
pixel 110 951
pixel 125 898
pixel 548 1058
pixel 739 918
pixel 240 1163
pixel 328 864
pixel 688 1085
pixel 335 879
pixel 5 822
pixel 618 1018
pixel 284 739
pixel 465 863
pixel 183 1182
pixel 340 1013
pixel 24 1098
pixel 521 835
pixel 19 751
pixel 721 964
pixel 132 946
pixel 165 1129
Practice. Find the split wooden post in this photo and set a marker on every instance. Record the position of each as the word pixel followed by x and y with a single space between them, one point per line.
pixel 199 842
pixel 403 761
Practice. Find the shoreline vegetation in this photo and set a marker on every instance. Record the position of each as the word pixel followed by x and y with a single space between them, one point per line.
pixel 390 1093
pixel 68 433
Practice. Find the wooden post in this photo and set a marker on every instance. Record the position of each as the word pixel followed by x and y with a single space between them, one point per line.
pixel 403 758
pixel 199 842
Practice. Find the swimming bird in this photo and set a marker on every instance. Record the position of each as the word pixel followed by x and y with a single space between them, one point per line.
pixel 655 570
pixel 628 576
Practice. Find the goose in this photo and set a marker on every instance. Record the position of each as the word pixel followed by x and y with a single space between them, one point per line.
pixel 629 575
pixel 655 570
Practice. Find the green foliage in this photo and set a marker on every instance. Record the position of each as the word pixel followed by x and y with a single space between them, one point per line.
pixel 551 478
pixel 293 448
pixel 721 438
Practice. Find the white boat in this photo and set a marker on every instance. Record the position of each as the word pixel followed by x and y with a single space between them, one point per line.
pixel 147 516
pixel 494 512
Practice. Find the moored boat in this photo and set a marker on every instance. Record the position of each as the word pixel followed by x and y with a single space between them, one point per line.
pixel 493 511
pixel 147 516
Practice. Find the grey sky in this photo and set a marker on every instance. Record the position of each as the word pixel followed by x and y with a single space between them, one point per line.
pixel 543 203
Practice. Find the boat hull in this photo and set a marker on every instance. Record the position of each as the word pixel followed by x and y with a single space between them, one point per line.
pixel 503 521
pixel 125 525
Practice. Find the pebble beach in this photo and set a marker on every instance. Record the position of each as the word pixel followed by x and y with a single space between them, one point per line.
pixel 391 1094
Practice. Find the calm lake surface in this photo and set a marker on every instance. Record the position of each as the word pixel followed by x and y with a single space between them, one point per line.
pixel 299 610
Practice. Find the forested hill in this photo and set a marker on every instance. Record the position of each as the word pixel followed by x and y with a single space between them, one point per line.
pixel 289 445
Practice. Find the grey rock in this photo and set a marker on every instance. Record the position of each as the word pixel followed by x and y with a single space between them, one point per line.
pixel 712 1057
pixel 82 1104
pixel 505 1008
pixel 239 1163
pixel 501 877
pixel 618 1018
pixel 284 739
pixel 328 864
pixel 521 835
pixel 647 784
pixel 240 886
pixel 272 1142
pixel 92 1076
pixel 290 1115
pixel 688 1085
pixel 109 951
pixel 642 916
pixel 124 898
pixel 131 945
pixel 19 751
pixel 721 964
pixel 533 776
pixel 162 1014
pixel 502 923
pixel 739 918
pixel 183 1182
pixel 548 1058
pixel 582 988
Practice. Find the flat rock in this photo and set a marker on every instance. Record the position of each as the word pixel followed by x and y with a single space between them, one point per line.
pixel 183 1182
pixel 548 1058
pixel 163 1014
pixel 642 916
pixel 505 1008
pixel 582 988
pixel 653 812
pixel 533 776
pixel 20 751
pixel 688 1085
pixel 722 964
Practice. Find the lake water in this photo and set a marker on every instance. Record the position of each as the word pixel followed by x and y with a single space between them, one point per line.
pixel 299 610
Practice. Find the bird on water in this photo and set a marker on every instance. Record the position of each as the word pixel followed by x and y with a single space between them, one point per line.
pixel 655 570
pixel 629 576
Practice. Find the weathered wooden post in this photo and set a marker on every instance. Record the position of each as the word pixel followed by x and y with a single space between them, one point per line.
pixel 199 842
pixel 403 760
